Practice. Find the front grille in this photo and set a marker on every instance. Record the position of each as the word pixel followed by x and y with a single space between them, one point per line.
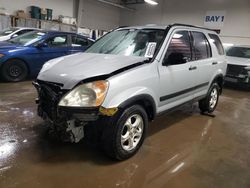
pixel 49 97
pixel 235 70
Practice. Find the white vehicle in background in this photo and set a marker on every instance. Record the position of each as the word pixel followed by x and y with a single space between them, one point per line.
pixel 238 69
pixel 13 32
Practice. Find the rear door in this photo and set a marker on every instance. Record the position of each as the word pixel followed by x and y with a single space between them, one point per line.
pixel 203 61
pixel 178 73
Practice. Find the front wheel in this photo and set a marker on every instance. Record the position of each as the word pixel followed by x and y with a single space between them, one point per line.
pixel 209 103
pixel 14 70
pixel 124 135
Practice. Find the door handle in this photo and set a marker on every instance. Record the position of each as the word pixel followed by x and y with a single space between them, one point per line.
pixel 214 63
pixel 192 68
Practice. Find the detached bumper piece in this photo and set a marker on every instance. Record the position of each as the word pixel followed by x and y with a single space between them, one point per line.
pixel 68 122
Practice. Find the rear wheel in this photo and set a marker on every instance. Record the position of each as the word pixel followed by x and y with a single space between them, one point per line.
pixel 209 103
pixel 124 135
pixel 14 70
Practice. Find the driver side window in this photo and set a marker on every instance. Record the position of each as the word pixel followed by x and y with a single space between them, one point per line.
pixel 179 49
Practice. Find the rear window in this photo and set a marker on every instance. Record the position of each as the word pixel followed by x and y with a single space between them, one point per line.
pixel 79 41
pixel 217 43
pixel 201 46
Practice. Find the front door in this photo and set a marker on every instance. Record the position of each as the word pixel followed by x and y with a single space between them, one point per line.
pixel 178 74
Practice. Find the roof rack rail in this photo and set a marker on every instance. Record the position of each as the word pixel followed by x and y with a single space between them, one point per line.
pixel 187 25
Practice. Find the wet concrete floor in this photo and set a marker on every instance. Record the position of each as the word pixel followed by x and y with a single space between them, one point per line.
pixel 183 149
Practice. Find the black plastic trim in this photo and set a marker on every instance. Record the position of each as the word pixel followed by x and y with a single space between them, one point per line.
pixel 223 80
pixel 86 110
pixel 166 97
pixel 142 97
pixel 177 107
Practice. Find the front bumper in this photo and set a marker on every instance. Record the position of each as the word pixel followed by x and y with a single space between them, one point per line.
pixel 241 81
pixel 237 75
pixel 67 122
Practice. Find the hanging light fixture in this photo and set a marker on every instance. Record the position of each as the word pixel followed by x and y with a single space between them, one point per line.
pixel 151 2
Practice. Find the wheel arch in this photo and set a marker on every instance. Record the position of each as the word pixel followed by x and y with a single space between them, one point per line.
pixel 219 79
pixel 20 59
pixel 145 100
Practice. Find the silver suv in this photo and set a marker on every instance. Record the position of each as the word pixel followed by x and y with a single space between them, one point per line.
pixel 127 78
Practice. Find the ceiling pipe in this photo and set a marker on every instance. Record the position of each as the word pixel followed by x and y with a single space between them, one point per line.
pixel 116 5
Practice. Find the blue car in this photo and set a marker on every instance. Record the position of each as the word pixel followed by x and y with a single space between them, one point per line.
pixel 25 55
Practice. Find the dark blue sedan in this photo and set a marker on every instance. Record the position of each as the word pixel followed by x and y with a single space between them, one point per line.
pixel 25 55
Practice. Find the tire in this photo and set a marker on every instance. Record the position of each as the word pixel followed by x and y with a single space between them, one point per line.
pixel 209 103
pixel 118 128
pixel 14 70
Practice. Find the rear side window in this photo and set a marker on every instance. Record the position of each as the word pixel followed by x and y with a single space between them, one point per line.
pixel 179 49
pixel 201 47
pixel 79 42
pixel 217 43
pixel 23 31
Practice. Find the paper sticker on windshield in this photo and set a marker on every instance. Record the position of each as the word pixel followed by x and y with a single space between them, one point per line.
pixel 150 49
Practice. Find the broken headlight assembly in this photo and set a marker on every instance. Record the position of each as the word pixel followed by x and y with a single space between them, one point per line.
pixel 86 95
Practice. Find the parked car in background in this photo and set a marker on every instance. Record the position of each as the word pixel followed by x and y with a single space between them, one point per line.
pixel 13 32
pixel 238 69
pixel 125 79
pixel 26 54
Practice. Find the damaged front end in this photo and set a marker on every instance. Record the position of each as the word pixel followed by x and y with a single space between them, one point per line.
pixel 67 122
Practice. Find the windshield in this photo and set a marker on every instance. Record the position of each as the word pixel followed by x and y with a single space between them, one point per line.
pixel 242 52
pixel 129 42
pixel 28 38
pixel 7 31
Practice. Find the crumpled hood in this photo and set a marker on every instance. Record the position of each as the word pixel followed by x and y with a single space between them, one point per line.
pixel 238 61
pixel 70 70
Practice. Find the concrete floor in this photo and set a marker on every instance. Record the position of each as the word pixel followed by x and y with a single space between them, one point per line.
pixel 183 149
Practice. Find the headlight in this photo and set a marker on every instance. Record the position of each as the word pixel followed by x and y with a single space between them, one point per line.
pixel 86 95
pixel 1 55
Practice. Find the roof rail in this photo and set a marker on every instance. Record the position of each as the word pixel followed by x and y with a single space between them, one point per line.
pixel 187 25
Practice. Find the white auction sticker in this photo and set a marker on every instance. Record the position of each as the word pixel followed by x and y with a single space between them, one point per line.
pixel 150 49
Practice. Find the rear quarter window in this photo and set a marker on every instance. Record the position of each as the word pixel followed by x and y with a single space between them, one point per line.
pixel 217 43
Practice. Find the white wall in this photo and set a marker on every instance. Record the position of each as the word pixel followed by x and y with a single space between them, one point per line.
pixel 236 27
pixel 96 15
pixel 60 7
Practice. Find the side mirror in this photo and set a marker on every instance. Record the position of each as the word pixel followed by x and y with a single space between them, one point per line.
pixel 175 59
pixel 42 45
pixel 14 36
